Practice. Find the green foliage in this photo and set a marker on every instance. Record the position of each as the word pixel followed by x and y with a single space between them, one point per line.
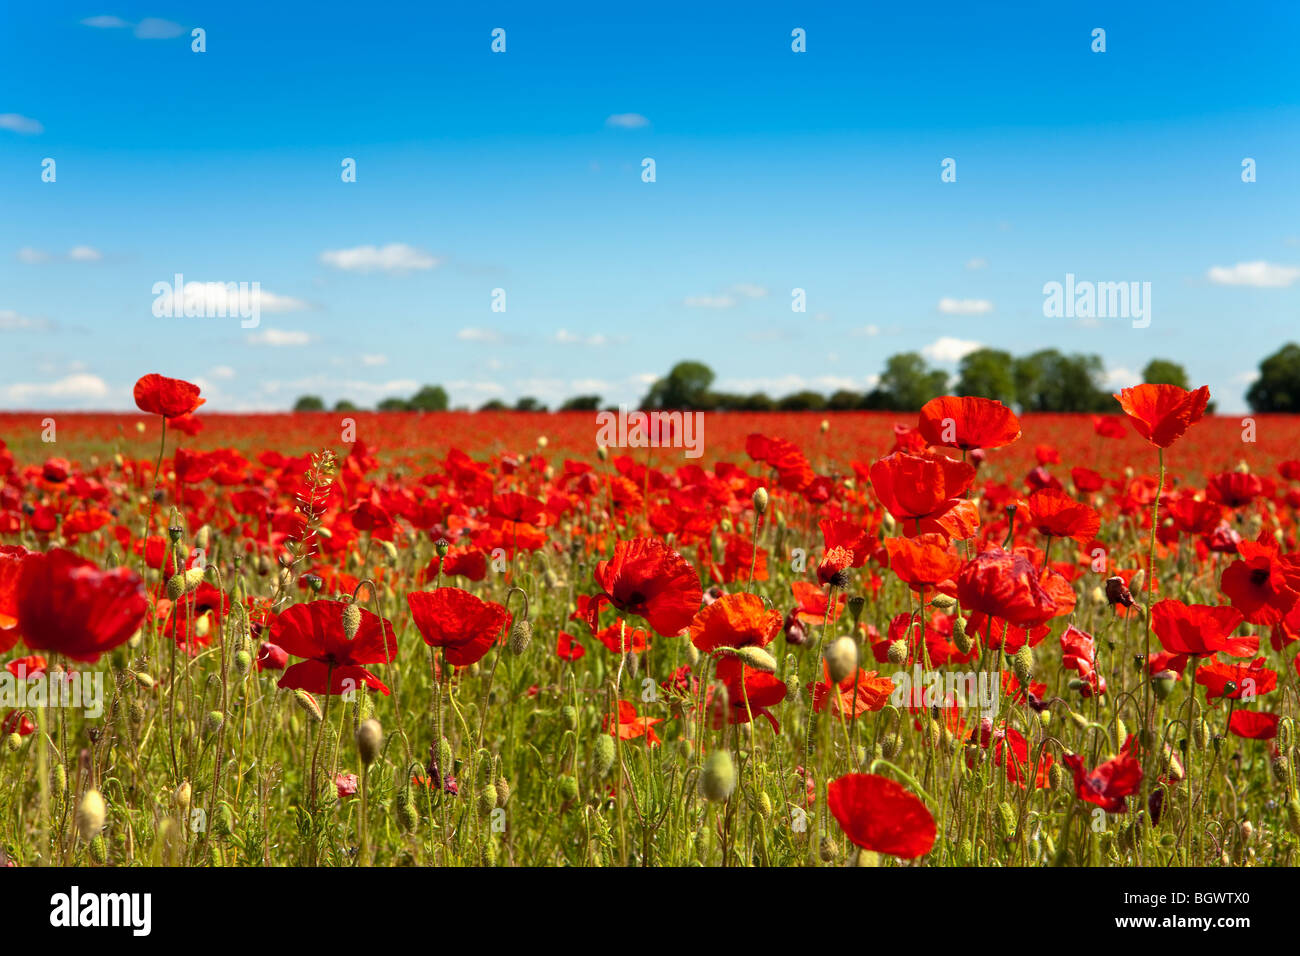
pixel 1278 387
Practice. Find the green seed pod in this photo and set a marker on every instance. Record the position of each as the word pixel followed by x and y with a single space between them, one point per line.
pixel 1024 665
pixel 757 659
pixel 959 636
pixel 370 740
pixel 569 714
pixel 521 635
pixel 897 653
pixel 603 754
pixel 308 703
pixel 567 787
pixel 98 850
pixel 718 779
pixel 212 723
pixel 1006 820
pixel 243 662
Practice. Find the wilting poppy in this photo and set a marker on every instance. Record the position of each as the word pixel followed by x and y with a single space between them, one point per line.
pixel 464 626
pixel 68 605
pixel 1163 413
pixel 1108 783
pixel 650 579
pixel 878 814
pixel 168 397
pixel 334 662
pixel 968 422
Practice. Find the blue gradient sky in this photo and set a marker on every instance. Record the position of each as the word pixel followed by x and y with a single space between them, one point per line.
pixel 775 170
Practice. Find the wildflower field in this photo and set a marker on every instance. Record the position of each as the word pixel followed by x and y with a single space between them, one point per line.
pixel 958 638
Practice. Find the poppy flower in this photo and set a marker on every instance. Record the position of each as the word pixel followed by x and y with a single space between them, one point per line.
pixel 334 663
pixel 1162 413
pixel 1108 783
pixel 833 569
pixel 271 657
pixel 858 693
pixel 1011 752
pixel 27 668
pixel 68 605
pixel 631 726
pixel 812 603
pixel 168 397
pixel 647 578
pixel 734 620
pixel 1079 654
pixel 1236 681
pixel 924 493
pixel 11 566
pixel 567 649
pixel 1253 724
pixel 924 561
pixel 1004 584
pixel 880 815
pixel 1200 629
pixel 750 692
pixel 968 422
pixel 464 626
pixel 1057 515
pixel 1260 585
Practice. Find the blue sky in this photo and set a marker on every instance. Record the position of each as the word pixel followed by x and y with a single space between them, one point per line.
pixel 521 171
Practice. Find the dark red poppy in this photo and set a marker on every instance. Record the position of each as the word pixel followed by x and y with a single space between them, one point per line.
pixel 271 657
pixel 1200 629
pixel 68 605
pixel 334 663
pixel 168 397
pixel 1108 783
pixel 568 649
pixel 1260 585
pixel 968 422
pixel 1004 584
pixel 1163 413
pixel 1253 724
pixel 650 579
pixel 878 814
pixel 11 567
pixel 464 626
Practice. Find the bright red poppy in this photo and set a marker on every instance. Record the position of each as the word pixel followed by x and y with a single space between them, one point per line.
pixel 878 814
pixel 11 566
pixel 860 693
pixel 1005 585
pixel 1057 515
pixel 1253 724
pixel 650 579
pixel 1108 783
pixel 66 604
pixel 924 561
pixel 464 626
pixel 168 397
pixel 334 662
pixel 924 493
pixel 1261 585
pixel 1200 629
pixel 734 620
pixel 1236 681
pixel 1163 413
pixel 968 422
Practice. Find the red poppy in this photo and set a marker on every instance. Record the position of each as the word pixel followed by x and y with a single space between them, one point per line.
pixel 333 662
pixel 650 579
pixel 1108 783
pixel 878 814
pixel 924 561
pixel 68 605
pixel 750 693
pixel 1260 585
pixel 924 493
pixel 1004 584
pixel 968 422
pixel 630 725
pixel 11 566
pixel 1253 724
pixel 858 693
pixel 1162 413
pixel 1079 653
pixel 1057 515
pixel 1236 681
pixel 168 397
pixel 567 649
pixel 812 603
pixel 464 626
pixel 271 657
pixel 1200 629
pixel 734 620
pixel 834 567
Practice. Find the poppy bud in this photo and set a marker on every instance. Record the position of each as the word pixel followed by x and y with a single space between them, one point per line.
pixel 1281 768
pixel 827 851
pixel 370 740
pixel 891 746
pixel 758 659
pixel 1163 684
pixel 13 742
pixel 943 602
pixel 212 723
pixel 603 754
pixel 487 798
pixel 243 662
pixel 181 797
pixel 308 703
pixel 897 653
pixel 1138 581
pixel 98 850
pixel 60 778
pixel 960 639
pixel 602 453
pixel 446 759
pixel 569 714
pixel 567 788
pixel 90 815
pixel 135 713
pixel 183 583
pixel 407 814
pixel 718 779
pixel 1056 776
pixel 521 634
pixel 1201 734
pixel 351 620
pixel 1006 820
pixel 841 658
pixel 1285 728
pixel 503 791
pixel 1024 665
pixel 791 684
pixel 1293 814
pixel 760 501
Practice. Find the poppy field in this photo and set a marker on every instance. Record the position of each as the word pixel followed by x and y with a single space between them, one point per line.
pixel 955 638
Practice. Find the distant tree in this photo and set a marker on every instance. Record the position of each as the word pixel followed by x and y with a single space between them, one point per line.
pixel 909 383
pixel 431 398
pixel 494 405
pixel 805 401
pixel 343 405
pixel 1164 372
pixel 1048 381
pixel 1278 387
pixel 581 403
pixel 529 404
pixel 394 405
pixel 844 400
pixel 685 386
pixel 309 403
pixel 988 373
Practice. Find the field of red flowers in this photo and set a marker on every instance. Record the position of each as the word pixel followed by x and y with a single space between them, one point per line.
pixel 956 638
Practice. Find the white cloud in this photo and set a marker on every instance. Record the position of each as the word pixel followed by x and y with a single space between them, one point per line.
pixel 394 257
pixel 1259 274
pixel 281 337
pixel 32 256
pixel 627 121
pixel 84 254
pixel 1117 378
pixel 220 298
pixel 11 321
pixel 20 124
pixel 1246 378
pixel 152 28
pixel 949 306
pixel 565 337
pixel 104 22
pixel 949 349
pixel 710 302
pixel 373 360
pixel 81 386
pixel 488 336
pixel 979 262
pixel 222 372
